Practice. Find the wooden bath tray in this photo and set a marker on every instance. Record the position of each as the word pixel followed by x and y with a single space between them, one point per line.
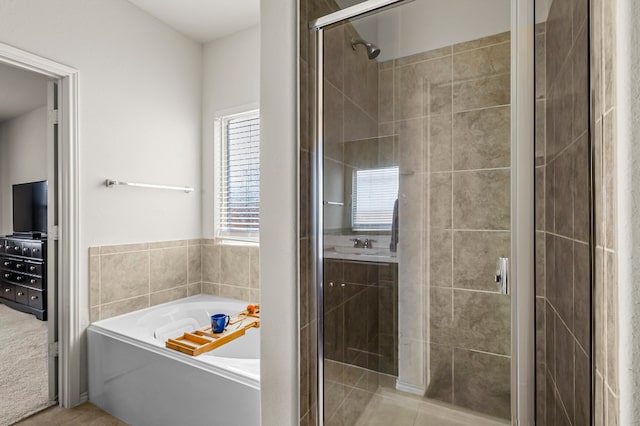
pixel 204 339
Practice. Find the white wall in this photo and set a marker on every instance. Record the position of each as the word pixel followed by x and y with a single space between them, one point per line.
pixel 627 65
pixel 22 91
pixel 23 158
pixel 279 213
pixel 231 80
pixel 139 100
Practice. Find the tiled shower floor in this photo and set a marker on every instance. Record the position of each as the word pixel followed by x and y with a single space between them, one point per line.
pixel 390 407
pixel 357 396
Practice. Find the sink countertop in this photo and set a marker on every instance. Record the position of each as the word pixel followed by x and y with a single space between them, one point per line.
pixel 376 256
pixel 341 247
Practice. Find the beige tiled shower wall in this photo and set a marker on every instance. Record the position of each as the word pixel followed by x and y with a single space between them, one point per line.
pixel 563 285
pixel 540 147
pixel 309 10
pixel 307 294
pixel 350 122
pixel 603 51
pixel 125 278
pixel 352 95
pixel 450 110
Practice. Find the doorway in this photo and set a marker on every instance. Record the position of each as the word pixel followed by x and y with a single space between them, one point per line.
pixel 62 307
pixel 27 195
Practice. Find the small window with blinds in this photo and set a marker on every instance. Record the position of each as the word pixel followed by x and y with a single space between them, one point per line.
pixel 239 177
pixel 374 195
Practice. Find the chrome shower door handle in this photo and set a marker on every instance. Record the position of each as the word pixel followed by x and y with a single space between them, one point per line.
pixel 502 275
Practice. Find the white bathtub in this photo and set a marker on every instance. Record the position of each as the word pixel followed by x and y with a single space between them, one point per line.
pixel 135 378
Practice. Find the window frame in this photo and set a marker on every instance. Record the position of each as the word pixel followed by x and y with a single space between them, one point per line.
pixel 381 228
pixel 220 140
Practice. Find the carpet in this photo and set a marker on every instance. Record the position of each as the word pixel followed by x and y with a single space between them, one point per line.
pixel 24 369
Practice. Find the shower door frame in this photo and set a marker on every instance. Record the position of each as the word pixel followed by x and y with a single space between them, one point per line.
pixel 522 200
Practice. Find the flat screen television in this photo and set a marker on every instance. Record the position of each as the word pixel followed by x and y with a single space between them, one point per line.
pixel 30 208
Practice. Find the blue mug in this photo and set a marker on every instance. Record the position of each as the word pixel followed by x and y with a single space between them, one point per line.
pixel 219 322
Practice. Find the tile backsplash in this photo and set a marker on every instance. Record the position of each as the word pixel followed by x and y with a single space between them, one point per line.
pixel 125 278
pixel 231 269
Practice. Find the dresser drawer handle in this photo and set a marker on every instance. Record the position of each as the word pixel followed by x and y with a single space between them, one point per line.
pixel 32 268
pixel 19 265
pixel 20 293
pixel 7 263
pixel 19 278
pixel 7 275
pixel 7 290
pixel 33 281
pixel 34 297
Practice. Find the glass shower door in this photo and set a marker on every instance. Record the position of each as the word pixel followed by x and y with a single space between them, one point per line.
pixel 416 213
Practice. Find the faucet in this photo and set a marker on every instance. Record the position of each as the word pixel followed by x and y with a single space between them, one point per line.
pixel 357 243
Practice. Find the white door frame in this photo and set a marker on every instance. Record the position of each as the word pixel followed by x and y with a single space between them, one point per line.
pixel 68 315
pixel 522 215
pixel 53 200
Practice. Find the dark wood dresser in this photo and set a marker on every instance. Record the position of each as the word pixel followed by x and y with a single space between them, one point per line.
pixel 23 275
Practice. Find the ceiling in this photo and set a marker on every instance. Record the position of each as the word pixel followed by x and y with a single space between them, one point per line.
pixel 204 20
pixel 20 91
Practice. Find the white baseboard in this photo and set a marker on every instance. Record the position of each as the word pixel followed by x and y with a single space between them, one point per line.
pixel 406 387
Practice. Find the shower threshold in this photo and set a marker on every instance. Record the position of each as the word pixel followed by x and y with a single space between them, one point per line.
pixel 411 410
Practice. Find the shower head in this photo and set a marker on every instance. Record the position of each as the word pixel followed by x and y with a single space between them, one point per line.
pixel 372 50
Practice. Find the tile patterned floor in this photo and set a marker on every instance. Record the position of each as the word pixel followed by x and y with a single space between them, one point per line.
pixel 356 396
pixel 85 414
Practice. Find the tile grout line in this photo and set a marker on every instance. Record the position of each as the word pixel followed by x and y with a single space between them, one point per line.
pixel 451 218
pixel 188 272
pixel 99 287
pixel 557 314
pixel 445 113
pixel 488 169
pixel 564 237
pixel 149 277
pixel 451 53
pixel 123 252
pixel 125 299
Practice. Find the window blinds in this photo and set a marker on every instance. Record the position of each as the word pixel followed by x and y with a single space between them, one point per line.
pixel 239 191
pixel 374 194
